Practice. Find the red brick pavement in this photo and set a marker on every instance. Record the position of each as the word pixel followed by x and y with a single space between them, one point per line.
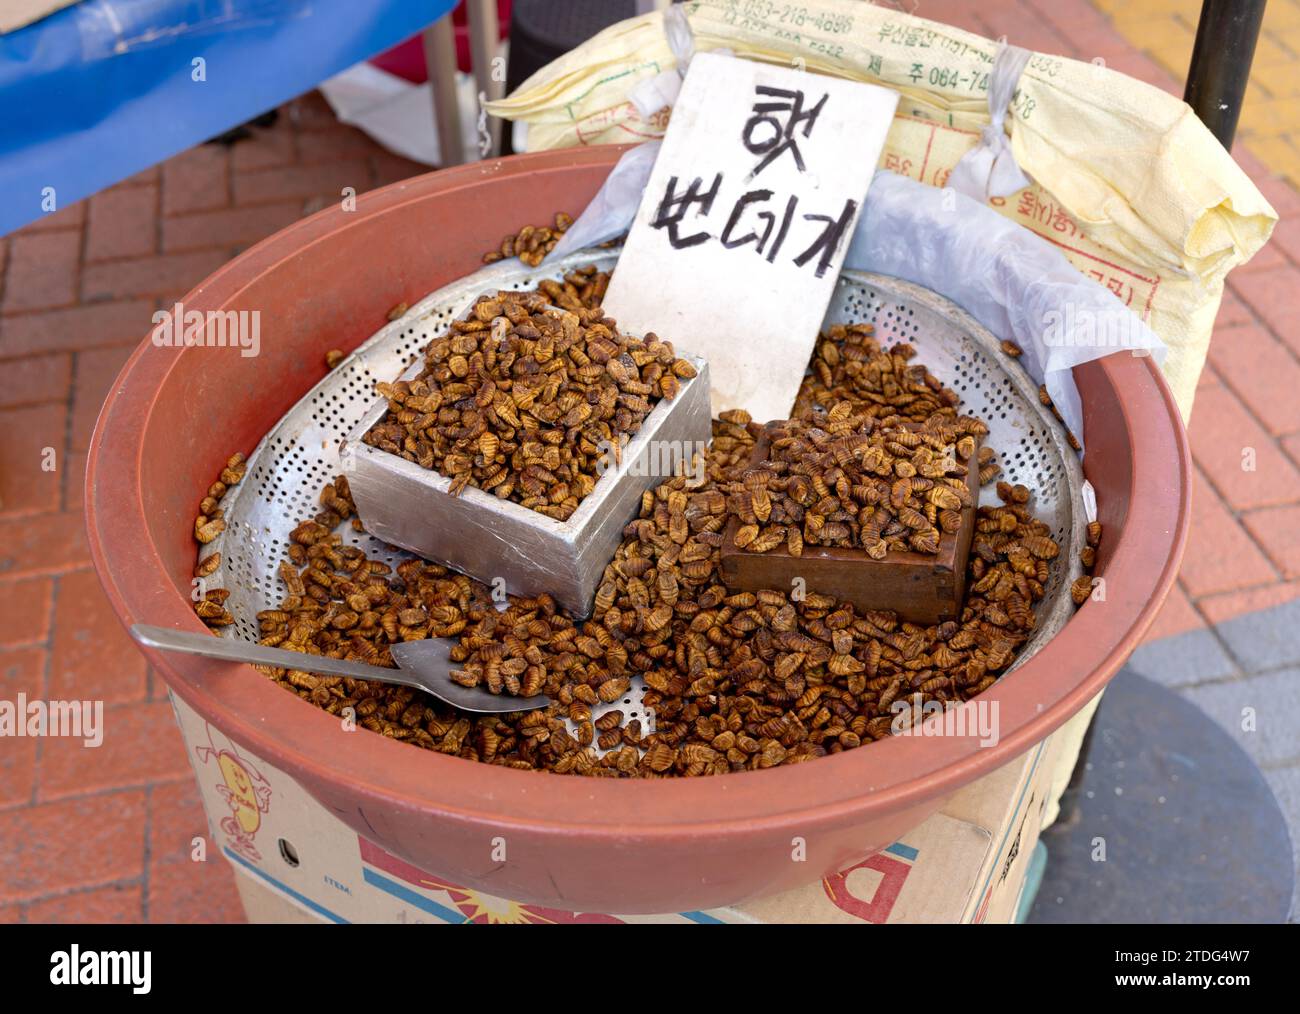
pixel 110 839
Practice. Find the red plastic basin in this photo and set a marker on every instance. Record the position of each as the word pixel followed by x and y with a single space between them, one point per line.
pixel 173 417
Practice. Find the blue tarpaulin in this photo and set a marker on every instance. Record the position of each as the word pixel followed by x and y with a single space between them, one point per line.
pixel 99 91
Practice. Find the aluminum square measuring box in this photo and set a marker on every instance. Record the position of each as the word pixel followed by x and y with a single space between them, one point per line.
pixel 486 537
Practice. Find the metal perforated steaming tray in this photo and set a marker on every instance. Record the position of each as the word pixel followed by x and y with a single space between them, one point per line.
pixel 294 461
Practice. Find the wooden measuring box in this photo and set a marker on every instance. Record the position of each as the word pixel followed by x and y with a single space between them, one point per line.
pixel 919 587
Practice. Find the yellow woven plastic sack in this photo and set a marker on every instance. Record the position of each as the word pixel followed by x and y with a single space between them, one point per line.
pixel 1127 181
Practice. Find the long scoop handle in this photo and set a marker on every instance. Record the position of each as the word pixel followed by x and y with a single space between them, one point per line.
pixel 227 650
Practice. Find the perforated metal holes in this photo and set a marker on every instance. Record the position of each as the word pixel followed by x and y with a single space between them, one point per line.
pixel 299 455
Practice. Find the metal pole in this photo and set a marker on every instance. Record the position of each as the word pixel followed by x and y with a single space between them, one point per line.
pixel 484 44
pixel 440 57
pixel 1225 46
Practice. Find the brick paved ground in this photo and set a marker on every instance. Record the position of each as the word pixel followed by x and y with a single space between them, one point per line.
pixel 111 840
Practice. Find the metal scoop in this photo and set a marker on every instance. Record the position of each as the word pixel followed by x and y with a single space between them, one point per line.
pixel 424 665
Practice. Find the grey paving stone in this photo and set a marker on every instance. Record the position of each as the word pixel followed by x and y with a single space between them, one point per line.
pixel 1268 639
pixel 1285 783
pixel 1183 660
pixel 1193 832
pixel 1275 697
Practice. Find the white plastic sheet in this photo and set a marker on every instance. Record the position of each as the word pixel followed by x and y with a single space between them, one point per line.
pixel 399 114
pixel 1012 281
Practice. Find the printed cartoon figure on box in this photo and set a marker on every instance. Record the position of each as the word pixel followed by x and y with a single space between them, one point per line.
pixel 242 786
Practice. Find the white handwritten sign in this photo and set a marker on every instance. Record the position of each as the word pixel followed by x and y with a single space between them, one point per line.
pixel 743 227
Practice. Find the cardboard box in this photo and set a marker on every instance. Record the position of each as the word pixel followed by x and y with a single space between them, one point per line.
pixel 296 862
